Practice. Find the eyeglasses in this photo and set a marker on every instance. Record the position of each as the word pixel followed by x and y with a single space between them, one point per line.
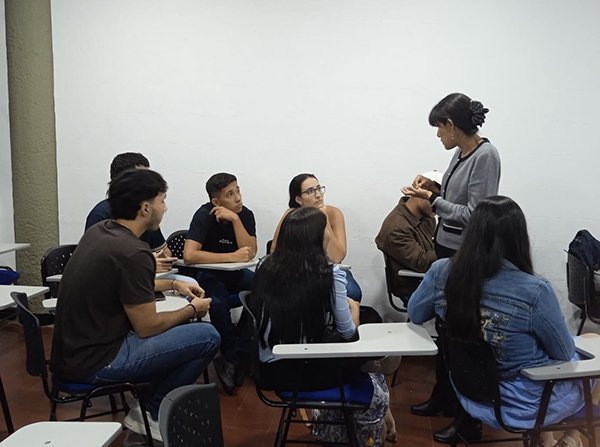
pixel 312 191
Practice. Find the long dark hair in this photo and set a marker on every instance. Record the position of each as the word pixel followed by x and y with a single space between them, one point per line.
pixel 295 189
pixel 497 230
pixel 466 114
pixel 293 287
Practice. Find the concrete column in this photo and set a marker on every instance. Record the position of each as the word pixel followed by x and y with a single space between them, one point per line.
pixel 32 131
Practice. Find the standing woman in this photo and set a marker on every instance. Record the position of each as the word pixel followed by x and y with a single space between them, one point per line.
pixel 305 190
pixel 473 173
pixel 299 297
pixel 472 176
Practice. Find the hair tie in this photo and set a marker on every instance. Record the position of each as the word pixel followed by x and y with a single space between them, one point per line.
pixel 478 113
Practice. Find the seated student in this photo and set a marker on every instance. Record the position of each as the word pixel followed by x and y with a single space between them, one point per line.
pixel 305 190
pixel 406 237
pixel 223 230
pixel 299 296
pixel 488 290
pixel 102 211
pixel 107 328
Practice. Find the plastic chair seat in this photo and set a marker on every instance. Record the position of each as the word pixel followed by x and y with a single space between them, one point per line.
pixel 73 387
pixel 358 392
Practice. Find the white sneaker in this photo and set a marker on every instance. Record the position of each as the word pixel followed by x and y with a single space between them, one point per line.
pixel 134 422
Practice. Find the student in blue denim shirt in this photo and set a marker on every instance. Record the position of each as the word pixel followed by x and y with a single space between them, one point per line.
pixel 488 290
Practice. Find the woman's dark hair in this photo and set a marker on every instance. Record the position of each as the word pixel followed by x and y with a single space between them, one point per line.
pixel 296 189
pixel 466 114
pixel 130 188
pixel 293 287
pixel 497 230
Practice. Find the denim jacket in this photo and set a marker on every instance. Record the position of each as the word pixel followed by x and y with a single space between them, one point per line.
pixel 520 316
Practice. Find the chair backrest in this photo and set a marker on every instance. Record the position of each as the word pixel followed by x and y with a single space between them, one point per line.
pixel 295 374
pixel 473 370
pixel 580 285
pixel 269 245
pixel 389 271
pixel 176 241
pixel 245 297
pixel 34 343
pixel 53 262
pixel 579 280
pixel 191 416
pixel 400 286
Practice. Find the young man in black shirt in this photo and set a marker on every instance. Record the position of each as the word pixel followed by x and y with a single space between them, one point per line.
pixel 223 230
pixel 102 210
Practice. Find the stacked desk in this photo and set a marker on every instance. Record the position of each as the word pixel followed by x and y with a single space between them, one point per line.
pixel 64 434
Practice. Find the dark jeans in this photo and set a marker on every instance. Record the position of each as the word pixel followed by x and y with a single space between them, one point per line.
pixel 222 287
pixel 167 361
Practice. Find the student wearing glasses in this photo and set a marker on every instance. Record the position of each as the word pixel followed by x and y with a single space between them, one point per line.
pixel 305 190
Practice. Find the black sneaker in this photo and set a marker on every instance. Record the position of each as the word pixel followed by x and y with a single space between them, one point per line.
pixel 462 429
pixel 226 373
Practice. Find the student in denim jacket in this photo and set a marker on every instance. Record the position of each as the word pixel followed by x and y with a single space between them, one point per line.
pixel 488 290
pixel 472 175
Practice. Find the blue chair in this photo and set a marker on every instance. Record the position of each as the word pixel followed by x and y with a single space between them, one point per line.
pixel 352 391
pixel 8 275
pixel 61 391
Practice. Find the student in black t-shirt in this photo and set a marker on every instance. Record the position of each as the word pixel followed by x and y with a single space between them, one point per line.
pixel 223 230
pixel 102 211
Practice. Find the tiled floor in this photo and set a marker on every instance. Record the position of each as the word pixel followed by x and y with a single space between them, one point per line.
pixel 247 422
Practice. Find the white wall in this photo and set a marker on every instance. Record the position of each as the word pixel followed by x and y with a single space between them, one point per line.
pixel 7 232
pixel 268 89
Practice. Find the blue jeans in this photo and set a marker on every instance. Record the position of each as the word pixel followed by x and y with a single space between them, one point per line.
pixel 167 361
pixel 352 288
pixel 222 287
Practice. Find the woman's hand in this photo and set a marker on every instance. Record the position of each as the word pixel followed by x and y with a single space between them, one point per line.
pixel 422 182
pixel 425 183
pixel 420 193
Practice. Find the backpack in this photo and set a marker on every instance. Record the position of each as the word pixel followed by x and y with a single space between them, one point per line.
pixel 8 275
pixel 586 248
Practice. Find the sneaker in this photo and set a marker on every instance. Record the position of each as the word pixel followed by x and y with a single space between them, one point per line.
pixel 569 441
pixel 135 422
pixel 226 373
